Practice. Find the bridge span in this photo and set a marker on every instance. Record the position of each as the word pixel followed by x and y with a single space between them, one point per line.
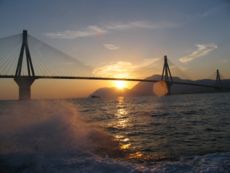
pixel 108 79
pixel 25 82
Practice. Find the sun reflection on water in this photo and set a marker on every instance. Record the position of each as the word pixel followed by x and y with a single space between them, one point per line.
pixel 123 121
pixel 121 138
pixel 136 155
pixel 121 114
pixel 125 146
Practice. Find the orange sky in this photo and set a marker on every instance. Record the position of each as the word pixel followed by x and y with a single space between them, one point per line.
pixel 42 89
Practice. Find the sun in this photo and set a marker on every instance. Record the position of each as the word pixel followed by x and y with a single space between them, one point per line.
pixel 120 84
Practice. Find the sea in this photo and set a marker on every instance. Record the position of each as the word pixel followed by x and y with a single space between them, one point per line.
pixel 171 134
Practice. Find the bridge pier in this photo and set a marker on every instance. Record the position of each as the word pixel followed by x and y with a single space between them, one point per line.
pixel 24 84
pixel 168 88
pixel 166 75
pixel 218 83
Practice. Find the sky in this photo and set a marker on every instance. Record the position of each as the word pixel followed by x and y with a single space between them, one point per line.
pixel 123 38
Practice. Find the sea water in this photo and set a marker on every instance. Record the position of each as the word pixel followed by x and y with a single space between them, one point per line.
pixel 178 133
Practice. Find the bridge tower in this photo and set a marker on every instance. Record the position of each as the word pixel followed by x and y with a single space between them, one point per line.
pixel 218 80
pixel 166 75
pixel 23 81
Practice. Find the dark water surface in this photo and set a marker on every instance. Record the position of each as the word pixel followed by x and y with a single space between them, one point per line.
pixel 183 133
pixel 152 128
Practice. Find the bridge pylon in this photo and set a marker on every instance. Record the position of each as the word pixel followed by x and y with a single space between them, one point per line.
pixel 24 82
pixel 166 75
pixel 218 83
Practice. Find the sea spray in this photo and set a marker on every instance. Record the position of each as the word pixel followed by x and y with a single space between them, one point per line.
pixel 50 126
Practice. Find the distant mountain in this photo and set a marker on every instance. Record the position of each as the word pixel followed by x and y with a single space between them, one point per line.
pixel 109 92
pixel 146 88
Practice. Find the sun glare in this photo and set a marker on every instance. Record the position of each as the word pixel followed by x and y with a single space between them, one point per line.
pixel 120 84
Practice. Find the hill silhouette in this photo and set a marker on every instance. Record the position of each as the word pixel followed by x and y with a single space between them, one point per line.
pixel 146 88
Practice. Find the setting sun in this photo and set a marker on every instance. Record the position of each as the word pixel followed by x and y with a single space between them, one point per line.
pixel 120 84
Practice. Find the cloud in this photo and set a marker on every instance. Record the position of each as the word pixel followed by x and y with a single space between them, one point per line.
pixel 131 25
pixel 71 34
pixel 202 50
pixel 111 47
pixel 125 69
pixel 118 69
pixel 94 30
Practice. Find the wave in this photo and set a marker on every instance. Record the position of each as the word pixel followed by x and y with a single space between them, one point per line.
pixel 51 136
pixel 49 127
pixel 82 162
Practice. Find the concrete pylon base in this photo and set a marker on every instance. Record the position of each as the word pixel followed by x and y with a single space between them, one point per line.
pixel 169 88
pixel 24 84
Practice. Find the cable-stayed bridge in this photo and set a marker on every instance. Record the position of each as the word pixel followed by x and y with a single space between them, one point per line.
pixel 25 73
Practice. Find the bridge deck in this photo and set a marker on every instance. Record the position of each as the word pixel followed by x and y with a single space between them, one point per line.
pixel 109 78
